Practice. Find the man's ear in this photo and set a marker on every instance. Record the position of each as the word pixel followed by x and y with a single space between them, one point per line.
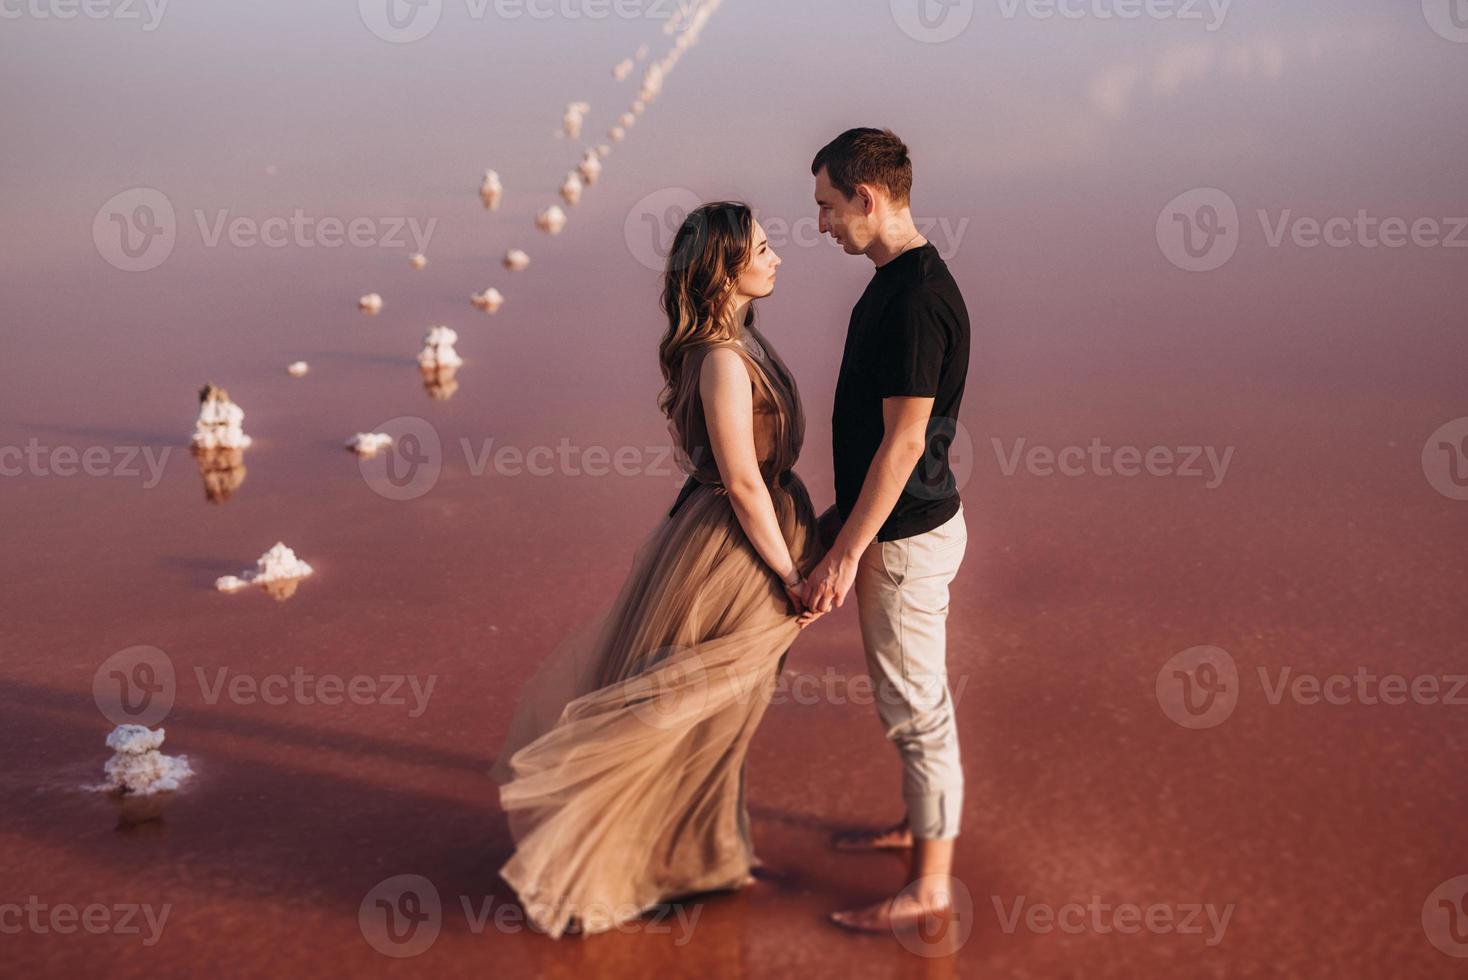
pixel 868 198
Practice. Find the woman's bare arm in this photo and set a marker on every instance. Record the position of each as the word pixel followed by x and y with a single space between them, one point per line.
pixel 728 406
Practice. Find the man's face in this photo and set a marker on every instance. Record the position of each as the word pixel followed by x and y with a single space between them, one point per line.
pixel 845 220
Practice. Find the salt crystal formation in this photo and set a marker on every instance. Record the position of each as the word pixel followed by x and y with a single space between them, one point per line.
pixel 627 120
pixel 491 191
pixel 516 260
pixel 137 768
pixel 489 301
pixel 590 167
pixel 418 261
pixel 368 444
pixel 219 423
pixel 642 52
pixel 297 369
pixel 371 304
pixel 277 567
pixel 574 116
pixel 551 220
pixel 571 189
pixel 438 349
pixel 623 69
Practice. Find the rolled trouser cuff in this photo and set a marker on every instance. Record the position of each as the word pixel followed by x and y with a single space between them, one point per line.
pixel 935 816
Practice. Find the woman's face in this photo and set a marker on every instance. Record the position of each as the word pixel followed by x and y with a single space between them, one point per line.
pixel 757 280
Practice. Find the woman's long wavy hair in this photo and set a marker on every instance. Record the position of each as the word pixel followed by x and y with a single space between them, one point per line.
pixel 709 253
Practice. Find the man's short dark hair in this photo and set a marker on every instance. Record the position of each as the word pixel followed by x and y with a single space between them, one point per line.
pixel 867 156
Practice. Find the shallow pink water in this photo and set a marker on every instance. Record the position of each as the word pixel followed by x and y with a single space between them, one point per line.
pixel 1324 547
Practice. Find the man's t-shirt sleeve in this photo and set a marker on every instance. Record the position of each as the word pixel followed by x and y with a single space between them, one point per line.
pixel 914 340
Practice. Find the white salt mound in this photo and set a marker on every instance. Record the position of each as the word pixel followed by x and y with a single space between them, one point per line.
pixel 276 565
pixel 297 369
pixel 220 423
pixel 623 69
pixel 418 260
pixel 551 220
pixel 571 121
pixel 438 349
pixel 368 444
pixel 590 167
pixel 516 260
pixel 571 189
pixel 371 304
pixel 491 191
pixel 489 301
pixel 137 767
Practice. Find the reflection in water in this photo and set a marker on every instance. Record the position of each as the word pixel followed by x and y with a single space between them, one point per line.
pixel 223 472
pixel 439 381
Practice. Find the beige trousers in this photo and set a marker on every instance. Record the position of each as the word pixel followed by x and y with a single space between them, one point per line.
pixel 902 600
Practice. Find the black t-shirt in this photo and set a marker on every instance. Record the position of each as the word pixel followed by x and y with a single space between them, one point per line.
pixel 908 336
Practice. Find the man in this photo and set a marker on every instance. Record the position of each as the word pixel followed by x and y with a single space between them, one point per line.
pixel 898 522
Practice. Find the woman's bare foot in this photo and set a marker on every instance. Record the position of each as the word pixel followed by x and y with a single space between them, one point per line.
pixel 886 839
pixel 905 911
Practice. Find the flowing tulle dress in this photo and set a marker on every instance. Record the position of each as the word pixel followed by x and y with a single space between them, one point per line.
pixel 623 771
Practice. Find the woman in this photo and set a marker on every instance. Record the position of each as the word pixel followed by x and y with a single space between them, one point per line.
pixel 623 773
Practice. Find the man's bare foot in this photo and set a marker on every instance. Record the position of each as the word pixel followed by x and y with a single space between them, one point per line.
pixel 886 839
pixel 903 912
